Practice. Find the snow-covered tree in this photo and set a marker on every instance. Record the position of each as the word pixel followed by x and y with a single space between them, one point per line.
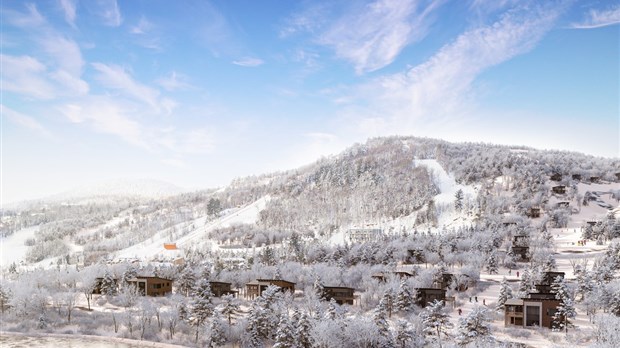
pixel 217 337
pixel 404 298
pixel 380 317
pixel 566 309
pixel 302 330
pixel 108 284
pixel 201 305
pixel 505 293
pixel 229 307
pixel 404 333
pixel 435 321
pixel 186 281
pixel 5 297
pixel 318 288
pixel 474 327
pixel 492 264
pixel 458 200
pixel 285 334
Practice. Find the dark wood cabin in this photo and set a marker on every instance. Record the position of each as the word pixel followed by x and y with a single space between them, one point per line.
pixel 424 296
pixel 534 212
pixel 341 294
pixel 559 189
pixel 152 286
pixel 255 288
pixel 536 310
pixel 556 177
pixel 521 253
pixel 577 177
pixel 595 179
pixel 222 288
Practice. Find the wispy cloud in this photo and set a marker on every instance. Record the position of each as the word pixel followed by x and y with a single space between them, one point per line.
pixel 309 20
pixel 372 37
pixel 69 8
pixel 27 76
pixel 142 27
pixel 108 116
pixel 110 13
pixel 24 121
pixel 117 78
pixel 174 81
pixel 597 18
pixel 31 19
pixel 248 62
pixel 441 90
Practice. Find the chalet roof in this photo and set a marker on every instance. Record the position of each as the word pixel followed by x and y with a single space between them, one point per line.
pixel 268 281
pixel 147 277
pixel 215 282
pixel 337 287
pixel 514 302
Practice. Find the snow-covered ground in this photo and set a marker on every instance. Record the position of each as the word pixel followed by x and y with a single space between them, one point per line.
pixel 153 248
pixel 13 248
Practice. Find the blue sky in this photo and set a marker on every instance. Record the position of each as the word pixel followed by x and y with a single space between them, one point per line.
pixel 197 93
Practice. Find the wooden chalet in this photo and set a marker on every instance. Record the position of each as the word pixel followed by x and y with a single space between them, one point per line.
pixel 556 177
pixel 577 177
pixel 513 312
pixel 341 294
pixel 222 288
pixel 536 309
pixel 534 212
pixel 255 288
pixel 152 286
pixel 595 179
pixel 618 176
pixel 559 189
pixel 521 253
pixel 591 223
pixel 424 296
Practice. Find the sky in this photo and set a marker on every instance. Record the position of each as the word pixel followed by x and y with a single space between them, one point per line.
pixel 196 93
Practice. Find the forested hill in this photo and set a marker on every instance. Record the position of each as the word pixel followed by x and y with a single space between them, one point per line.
pixel 376 182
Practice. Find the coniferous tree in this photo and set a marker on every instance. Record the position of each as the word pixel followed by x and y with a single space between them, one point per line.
pixel 108 284
pixel 230 307
pixel 216 332
pixel 285 336
pixel 302 331
pixel 505 293
pixel 186 281
pixel 202 304
pixel 458 200
pixel 5 296
pixel 380 319
pixel 474 327
pixel 318 288
pixel 404 333
pixel 566 309
pixel 436 322
pixel 404 298
pixel 492 265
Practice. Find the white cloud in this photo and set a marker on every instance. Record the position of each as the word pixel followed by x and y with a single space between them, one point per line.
pixel 110 13
pixel 115 77
pixel 65 52
pixel 106 115
pixel 29 20
pixel 174 81
pixel 440 92
pixel 600 18
pixel 142 27
pixel 24 121
pixel 249 62
pixel 69 8
pixel 372 37
pixel 26 75
pixel 71 85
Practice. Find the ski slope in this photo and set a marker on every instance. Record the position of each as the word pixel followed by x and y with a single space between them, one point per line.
pixel 153 247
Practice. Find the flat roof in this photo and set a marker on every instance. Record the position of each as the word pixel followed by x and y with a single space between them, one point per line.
pixel 514 302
